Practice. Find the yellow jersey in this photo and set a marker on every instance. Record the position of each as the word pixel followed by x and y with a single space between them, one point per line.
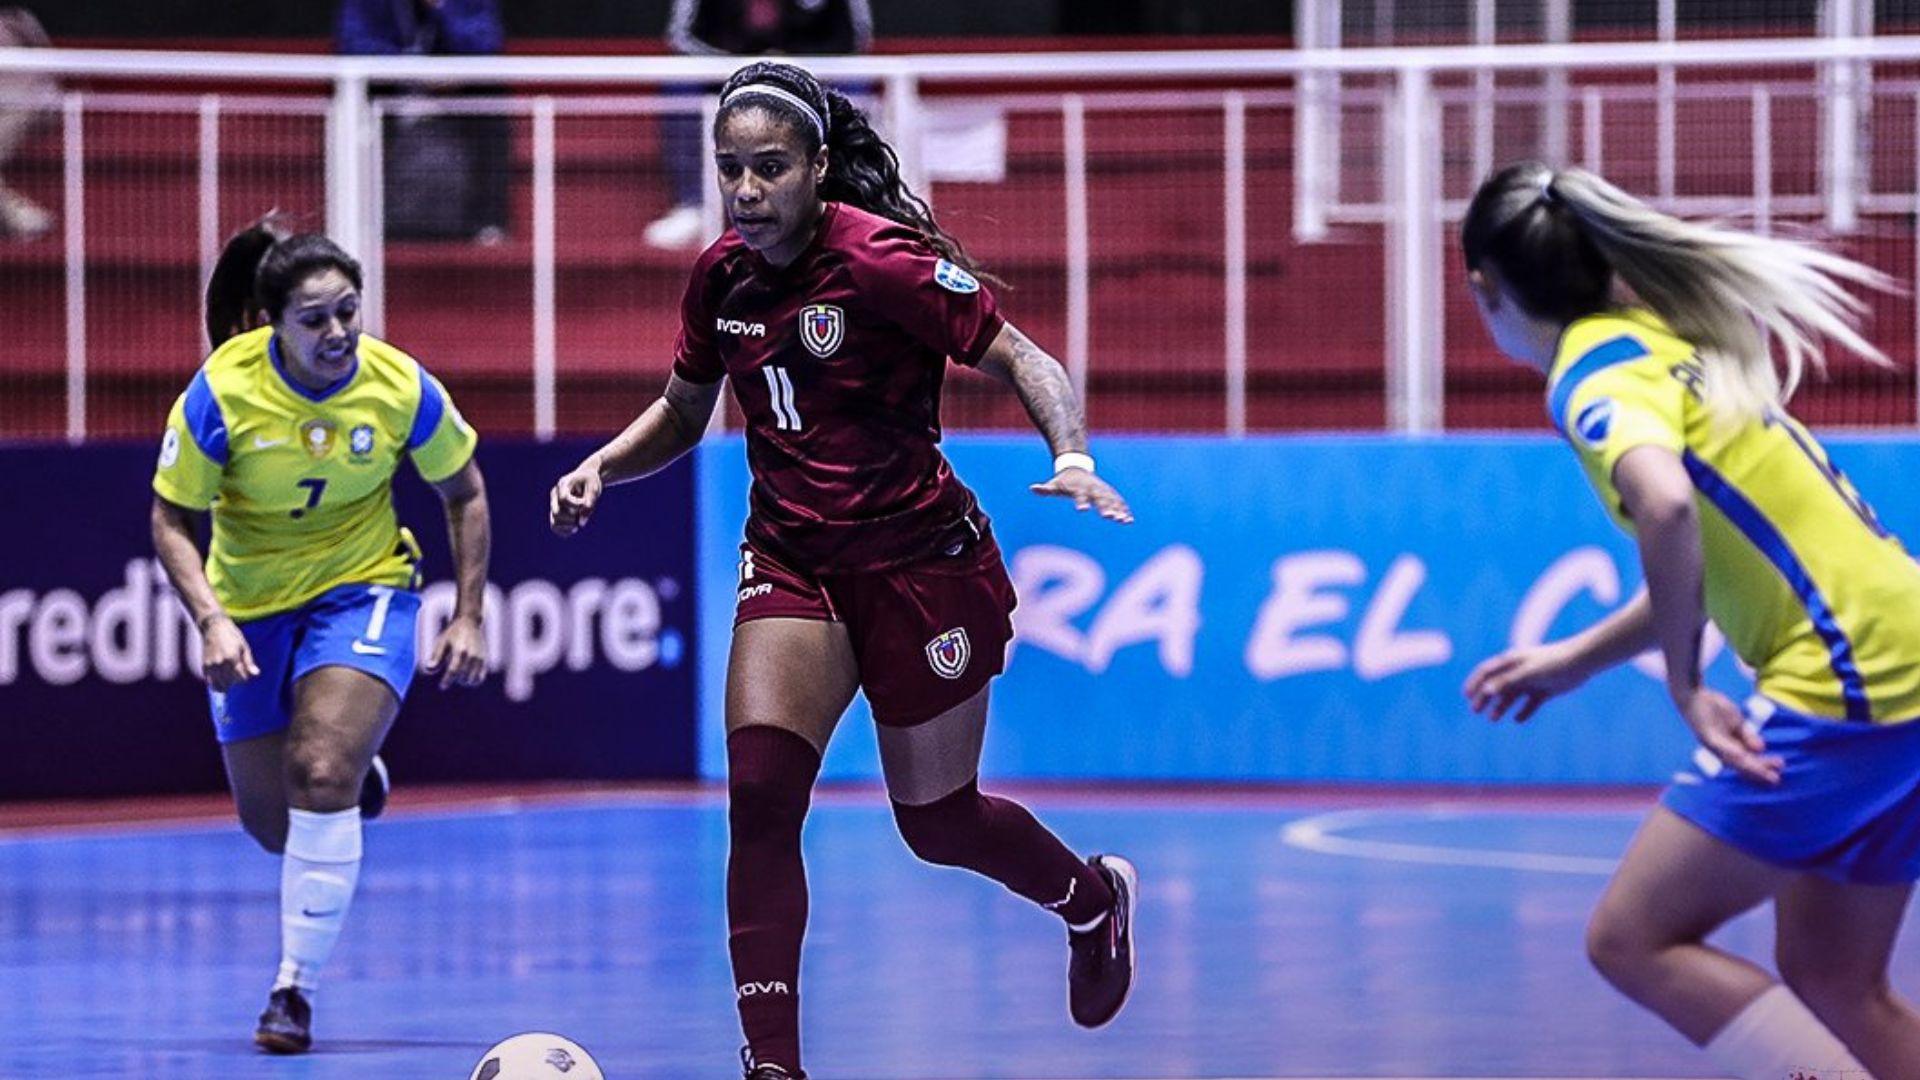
pixel 1812 593
pixel 300 481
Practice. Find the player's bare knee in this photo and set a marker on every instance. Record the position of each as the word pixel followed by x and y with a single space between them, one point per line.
pixel 1614 948
pixel 322 781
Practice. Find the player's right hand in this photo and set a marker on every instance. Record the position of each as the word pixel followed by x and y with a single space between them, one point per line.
pixel 225 658
pixel 1529 677
pixel 573 499
pixel 1723 729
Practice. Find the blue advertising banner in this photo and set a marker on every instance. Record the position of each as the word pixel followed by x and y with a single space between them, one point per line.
pixel 590 638
pixel 1295 609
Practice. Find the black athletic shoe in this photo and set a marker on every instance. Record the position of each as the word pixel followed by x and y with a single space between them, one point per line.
pixel 1100 963
pixel 373 790
pixel 287 1025
pixel 768 1071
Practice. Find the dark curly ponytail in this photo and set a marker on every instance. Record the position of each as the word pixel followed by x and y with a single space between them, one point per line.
pixel 231 309
pixel 862 170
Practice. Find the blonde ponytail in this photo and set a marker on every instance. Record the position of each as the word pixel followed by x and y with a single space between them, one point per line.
pixel 1732 294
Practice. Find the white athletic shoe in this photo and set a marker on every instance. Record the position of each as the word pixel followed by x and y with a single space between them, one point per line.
pixel 21 218
pixel 677 229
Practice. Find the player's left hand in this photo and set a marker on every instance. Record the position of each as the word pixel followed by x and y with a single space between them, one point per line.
pixel 1721 726
pixel 1088 492
pixel 459 654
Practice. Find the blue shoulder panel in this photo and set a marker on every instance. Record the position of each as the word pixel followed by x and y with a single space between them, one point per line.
pixel 426 419
pixel 204 422
pixel 1602 356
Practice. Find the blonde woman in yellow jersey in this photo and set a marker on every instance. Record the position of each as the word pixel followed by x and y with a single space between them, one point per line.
pixel 290 435
pixel 1809 796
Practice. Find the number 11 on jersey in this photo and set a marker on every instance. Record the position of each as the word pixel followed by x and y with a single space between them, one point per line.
pixel 786 417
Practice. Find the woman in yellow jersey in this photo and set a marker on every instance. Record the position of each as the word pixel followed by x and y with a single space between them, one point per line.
pixel 1809 796
pixel 290 434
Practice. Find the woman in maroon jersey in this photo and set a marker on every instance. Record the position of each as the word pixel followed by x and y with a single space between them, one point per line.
pixel 834 302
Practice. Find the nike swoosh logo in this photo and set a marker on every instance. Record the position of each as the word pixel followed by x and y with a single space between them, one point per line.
pixel 264 444
pixel 365 649
pixel 312 914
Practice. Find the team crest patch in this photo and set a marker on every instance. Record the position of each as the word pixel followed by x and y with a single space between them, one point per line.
pixel 317 437
pixel 953 279
pixel 822 328
pixel 949 653
pixel 1594 422
pixel 360 440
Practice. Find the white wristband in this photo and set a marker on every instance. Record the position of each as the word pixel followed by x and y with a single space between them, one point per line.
pixel 1072 459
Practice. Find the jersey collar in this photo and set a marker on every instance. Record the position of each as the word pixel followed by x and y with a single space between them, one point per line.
pixel 280 369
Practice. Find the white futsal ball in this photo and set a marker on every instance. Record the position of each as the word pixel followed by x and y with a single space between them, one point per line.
pixel 537 1055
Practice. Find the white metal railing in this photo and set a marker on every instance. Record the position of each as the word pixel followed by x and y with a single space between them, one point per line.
pixel 1419 85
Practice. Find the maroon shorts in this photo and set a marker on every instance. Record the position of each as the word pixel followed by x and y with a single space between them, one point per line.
pixel 927 636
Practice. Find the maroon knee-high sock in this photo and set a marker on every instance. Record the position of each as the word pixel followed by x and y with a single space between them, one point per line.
pixel 770 774
pixel 1002 840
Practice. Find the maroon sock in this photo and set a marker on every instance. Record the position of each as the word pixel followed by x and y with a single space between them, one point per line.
pixel 1000 839
pixel 770 774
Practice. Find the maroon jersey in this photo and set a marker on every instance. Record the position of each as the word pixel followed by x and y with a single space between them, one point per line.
pixel 837 361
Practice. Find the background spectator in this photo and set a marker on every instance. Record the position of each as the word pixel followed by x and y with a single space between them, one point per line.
pixel 445 174
pixel 20 217
pixel 740 28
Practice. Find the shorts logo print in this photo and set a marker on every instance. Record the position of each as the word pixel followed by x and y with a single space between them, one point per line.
pixel 822 328
pixel 949 652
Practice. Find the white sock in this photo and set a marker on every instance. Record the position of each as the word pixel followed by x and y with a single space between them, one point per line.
pixel 1776 1036
pixel 317 877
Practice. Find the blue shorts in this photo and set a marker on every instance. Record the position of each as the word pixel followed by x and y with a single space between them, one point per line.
pixel 368 628
pixel 1847 806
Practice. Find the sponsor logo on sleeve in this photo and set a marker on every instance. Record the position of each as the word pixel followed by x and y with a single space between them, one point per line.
pixel 1594 421
pixel 953 279
pixel 170 448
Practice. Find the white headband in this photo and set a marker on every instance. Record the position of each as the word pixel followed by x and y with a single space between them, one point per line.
pixel 819 124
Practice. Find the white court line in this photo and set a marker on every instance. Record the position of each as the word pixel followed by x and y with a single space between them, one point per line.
pixel 478 807
pixel 1318 834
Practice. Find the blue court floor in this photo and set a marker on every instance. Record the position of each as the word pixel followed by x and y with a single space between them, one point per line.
pixel 1279 937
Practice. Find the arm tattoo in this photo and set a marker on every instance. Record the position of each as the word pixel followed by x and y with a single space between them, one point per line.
pixel 1047 392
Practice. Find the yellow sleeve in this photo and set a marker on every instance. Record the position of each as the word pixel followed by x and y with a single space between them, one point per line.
pixel 441 442
pixel 193 450
pixel 1623 407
